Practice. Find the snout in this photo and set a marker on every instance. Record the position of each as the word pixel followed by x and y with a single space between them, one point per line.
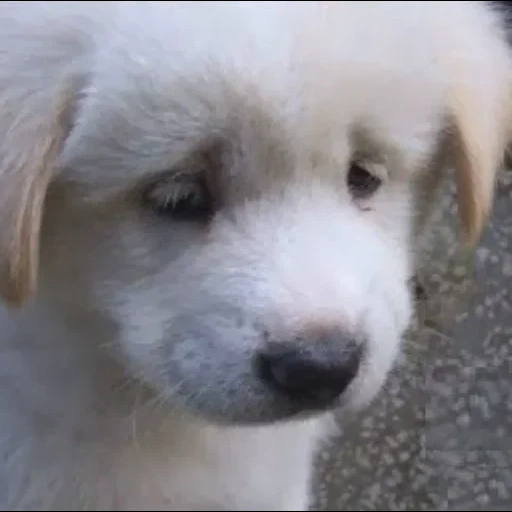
pixel 313 370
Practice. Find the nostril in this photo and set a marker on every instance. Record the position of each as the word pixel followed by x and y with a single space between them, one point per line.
pixel 319 370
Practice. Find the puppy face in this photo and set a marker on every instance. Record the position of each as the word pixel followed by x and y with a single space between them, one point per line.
pixel 236 192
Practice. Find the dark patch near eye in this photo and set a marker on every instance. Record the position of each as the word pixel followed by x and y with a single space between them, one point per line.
pixel 361 182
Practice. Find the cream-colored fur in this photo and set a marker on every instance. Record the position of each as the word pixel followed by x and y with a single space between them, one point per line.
pixel 128 335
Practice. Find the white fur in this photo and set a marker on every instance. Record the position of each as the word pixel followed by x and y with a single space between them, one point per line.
pixel 125 378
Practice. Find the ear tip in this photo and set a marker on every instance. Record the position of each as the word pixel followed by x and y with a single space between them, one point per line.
pixel 15 295
pixel 14 303
pixel 472 228
pixel 470 239
pixel 473 225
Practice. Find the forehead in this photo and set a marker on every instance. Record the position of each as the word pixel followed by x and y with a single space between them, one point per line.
pixel 278 81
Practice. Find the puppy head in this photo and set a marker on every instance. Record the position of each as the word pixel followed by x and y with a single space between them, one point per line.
pixel 242 213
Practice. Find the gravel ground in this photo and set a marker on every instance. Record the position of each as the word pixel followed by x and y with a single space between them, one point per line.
pixel 440 435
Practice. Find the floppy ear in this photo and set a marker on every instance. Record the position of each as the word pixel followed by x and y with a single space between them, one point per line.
pixel 481 115
pixel 33 126
pixel 480 137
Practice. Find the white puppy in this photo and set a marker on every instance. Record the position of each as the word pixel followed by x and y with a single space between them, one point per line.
pixel 208 215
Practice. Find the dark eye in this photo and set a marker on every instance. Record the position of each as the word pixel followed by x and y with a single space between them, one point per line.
pixel 361 182
pixel 184 199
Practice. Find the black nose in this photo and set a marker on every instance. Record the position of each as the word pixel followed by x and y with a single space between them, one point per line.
pixel 317 370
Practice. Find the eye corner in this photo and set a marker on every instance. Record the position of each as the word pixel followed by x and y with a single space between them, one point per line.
pixel 364 178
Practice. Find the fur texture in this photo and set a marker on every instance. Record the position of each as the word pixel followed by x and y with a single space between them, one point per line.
pixel 129 332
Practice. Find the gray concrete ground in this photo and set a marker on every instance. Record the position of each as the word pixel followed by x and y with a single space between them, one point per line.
pixel 439 437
